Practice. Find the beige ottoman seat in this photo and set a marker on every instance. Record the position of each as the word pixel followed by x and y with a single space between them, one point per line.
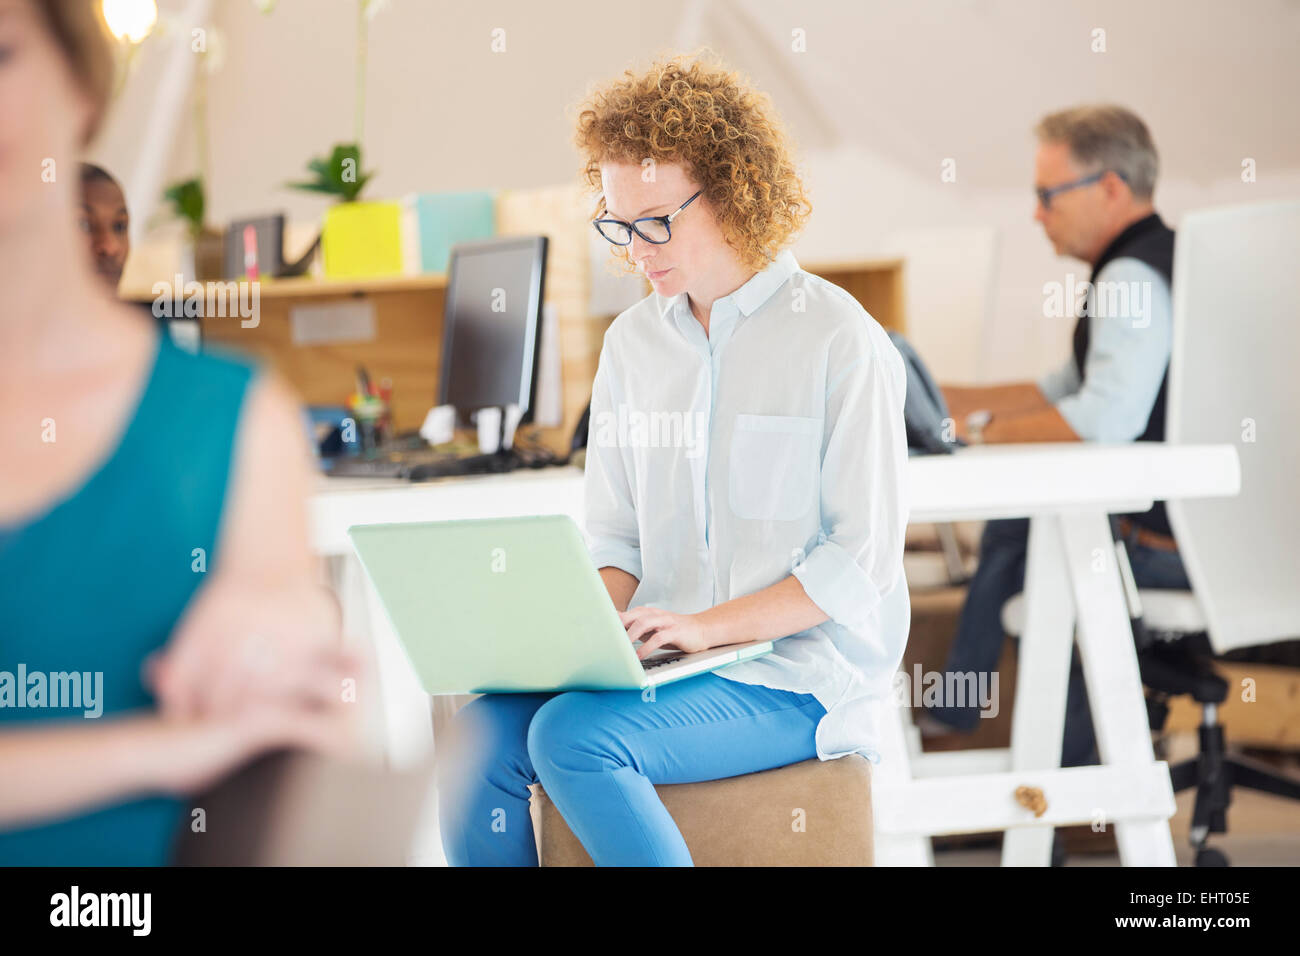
pixel 814 813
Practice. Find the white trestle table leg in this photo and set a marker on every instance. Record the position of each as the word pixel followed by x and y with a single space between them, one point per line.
pixel 1114 686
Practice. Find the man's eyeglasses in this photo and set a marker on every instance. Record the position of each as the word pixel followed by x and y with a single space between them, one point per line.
pixel 1045 195
pixel 655 229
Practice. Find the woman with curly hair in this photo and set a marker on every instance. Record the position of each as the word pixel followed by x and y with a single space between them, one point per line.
pixel 774 512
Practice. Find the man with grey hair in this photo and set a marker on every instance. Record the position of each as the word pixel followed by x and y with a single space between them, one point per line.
pixel 1095 174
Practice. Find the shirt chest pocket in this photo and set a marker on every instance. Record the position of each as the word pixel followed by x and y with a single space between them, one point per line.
pixel 775 462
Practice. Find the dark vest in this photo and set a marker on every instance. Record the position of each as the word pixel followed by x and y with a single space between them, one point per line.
pixel 1150 241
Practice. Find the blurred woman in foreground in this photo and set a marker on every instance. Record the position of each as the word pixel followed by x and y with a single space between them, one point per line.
pixel 161 623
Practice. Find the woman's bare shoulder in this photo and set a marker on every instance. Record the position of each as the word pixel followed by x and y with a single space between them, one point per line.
pixel 266 529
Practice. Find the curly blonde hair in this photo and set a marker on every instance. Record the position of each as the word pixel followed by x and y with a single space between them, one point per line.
pixel 723 131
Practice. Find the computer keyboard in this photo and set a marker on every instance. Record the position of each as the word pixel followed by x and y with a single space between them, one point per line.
pixel 419 467
pixel 469 465
pixel 660 661
pixel 368 468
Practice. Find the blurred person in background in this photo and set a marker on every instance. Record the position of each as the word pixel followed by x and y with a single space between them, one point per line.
pixel 153 527
pixel 1095 178
pixel 105 221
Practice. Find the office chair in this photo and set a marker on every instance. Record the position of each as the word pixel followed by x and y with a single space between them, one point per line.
pixel 1231 380
pixel 1179 663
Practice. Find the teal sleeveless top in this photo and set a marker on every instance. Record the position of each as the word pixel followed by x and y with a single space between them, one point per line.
pixel 99 581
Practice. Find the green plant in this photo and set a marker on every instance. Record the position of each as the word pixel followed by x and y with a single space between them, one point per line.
pixel 338 174
pixel 188 204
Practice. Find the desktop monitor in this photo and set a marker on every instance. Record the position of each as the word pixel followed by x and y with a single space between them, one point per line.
pixel 492 324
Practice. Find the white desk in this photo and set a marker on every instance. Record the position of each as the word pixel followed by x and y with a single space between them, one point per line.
pixel 1071 578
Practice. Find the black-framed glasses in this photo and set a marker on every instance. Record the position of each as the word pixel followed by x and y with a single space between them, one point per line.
pixel 655 229
pixel 1045 195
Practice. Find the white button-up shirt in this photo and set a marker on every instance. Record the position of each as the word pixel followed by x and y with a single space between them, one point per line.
pixel 719 464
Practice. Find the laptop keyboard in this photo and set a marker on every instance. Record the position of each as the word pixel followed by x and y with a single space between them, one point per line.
pixel 661 661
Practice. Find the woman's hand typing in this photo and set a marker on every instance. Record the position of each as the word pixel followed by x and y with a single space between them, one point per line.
pixel 658 628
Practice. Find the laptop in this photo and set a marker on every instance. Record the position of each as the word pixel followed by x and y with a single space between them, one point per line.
pixel 512 605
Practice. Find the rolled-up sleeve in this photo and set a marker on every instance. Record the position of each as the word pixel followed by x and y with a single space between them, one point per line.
pixel 611 529
pixel 864 505
pixel 1128 353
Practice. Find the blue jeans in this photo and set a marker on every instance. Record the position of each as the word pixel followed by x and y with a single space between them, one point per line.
pixel 978 643
pixel 598 755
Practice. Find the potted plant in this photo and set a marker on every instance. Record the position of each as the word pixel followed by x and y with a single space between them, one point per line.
pixel 203 255
pixel 357 238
